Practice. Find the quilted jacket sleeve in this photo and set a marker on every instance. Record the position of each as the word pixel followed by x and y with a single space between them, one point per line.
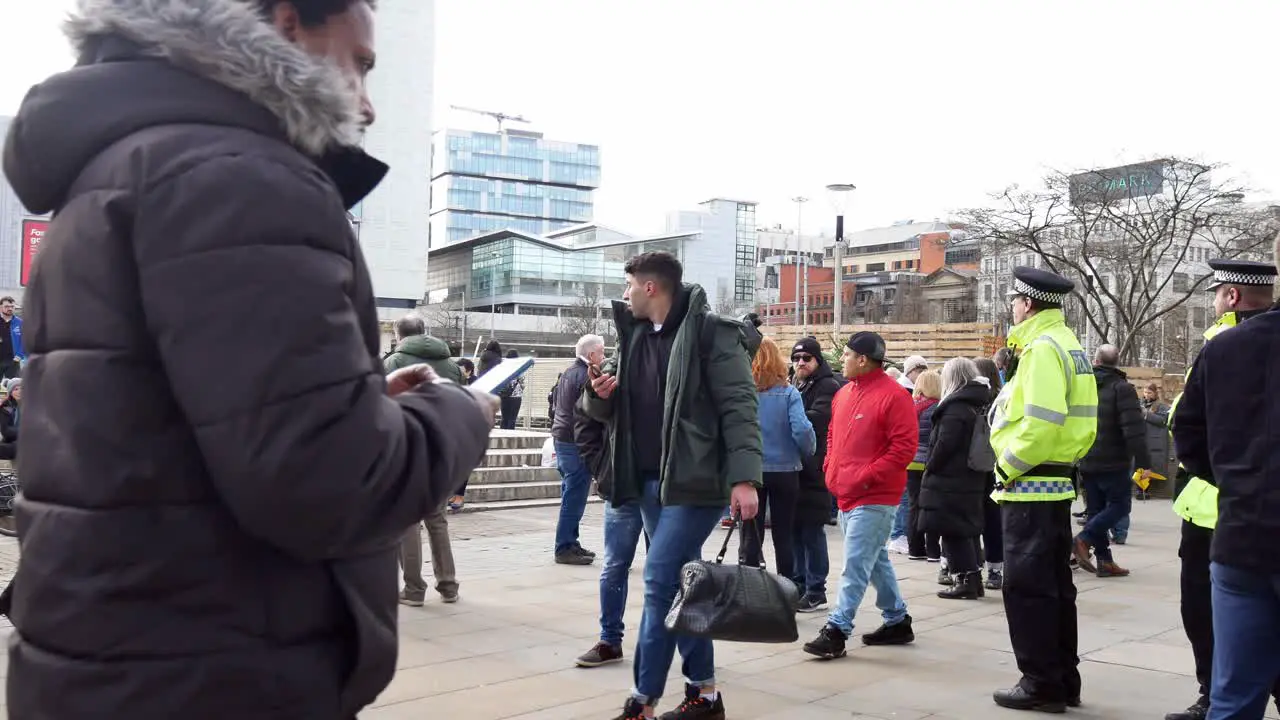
pixel 246 270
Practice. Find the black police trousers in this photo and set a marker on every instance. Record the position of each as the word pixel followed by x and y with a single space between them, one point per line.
pixel 1040 597
pixel 1197 603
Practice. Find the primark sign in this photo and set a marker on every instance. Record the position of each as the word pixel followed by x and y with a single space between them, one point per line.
pixel 1098 187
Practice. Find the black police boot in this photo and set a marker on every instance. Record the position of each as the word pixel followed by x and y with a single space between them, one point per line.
pixel 1198 711
pixel 1017 698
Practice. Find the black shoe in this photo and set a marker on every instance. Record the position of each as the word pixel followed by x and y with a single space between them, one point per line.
pixel 829 644
pixel 895 634
pixel 1016 698
pixel 573 557
pixel 582 551
pixel 632 710
pixel 696 707
pixel 968 586
pixel 944 576
pixel 995 580
pixel 812 603
pixel 602 654
pixel 1198 711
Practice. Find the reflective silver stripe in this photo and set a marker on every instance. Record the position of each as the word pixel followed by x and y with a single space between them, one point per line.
pixel 1044 413
pixel 1068 367
pixel 1083 411
pixel 1016 462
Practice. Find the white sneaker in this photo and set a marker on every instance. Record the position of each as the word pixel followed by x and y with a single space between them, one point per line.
pixel 898 546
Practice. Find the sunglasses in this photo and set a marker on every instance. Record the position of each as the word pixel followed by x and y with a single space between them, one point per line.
pixel 801 358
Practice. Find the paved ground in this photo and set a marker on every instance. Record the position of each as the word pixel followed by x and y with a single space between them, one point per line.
pixel 506 650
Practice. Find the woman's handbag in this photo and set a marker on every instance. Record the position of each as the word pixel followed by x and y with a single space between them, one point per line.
pixel 734 602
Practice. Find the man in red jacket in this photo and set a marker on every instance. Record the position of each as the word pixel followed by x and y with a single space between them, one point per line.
pixel 871 441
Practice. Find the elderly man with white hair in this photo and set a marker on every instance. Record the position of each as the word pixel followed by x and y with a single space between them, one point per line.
pixel 575 477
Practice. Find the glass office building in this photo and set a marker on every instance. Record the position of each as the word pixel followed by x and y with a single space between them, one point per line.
pixel 485 182
pixel 514 272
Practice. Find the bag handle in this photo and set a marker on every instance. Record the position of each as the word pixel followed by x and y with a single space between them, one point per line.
pixel 755 531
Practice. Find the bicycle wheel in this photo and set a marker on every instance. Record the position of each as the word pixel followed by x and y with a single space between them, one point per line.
pixel 9 489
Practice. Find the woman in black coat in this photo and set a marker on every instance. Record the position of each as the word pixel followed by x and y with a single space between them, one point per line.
pixel 491 356
pixel 951 494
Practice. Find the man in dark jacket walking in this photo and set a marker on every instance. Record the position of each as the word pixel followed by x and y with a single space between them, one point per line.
pixel 1105 471
pixel 685 433
pixel 575 476
pixel 817 385
pixel 218 473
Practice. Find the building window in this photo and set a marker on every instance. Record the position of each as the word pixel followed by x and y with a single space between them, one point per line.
pixel 875 267
pixel 986 292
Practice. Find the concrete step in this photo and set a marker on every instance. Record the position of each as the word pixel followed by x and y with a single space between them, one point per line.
pixel 490 492
pixel 517 504
pixel 517 440
pixel 511 476
pixel 519 457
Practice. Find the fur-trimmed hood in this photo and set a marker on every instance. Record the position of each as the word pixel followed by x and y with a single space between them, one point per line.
pixel 228 42
pixel 145 63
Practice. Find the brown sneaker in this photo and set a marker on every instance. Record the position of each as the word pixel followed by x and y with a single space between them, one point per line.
pixel 1110 569
pixel 1080 549
pixel 602 654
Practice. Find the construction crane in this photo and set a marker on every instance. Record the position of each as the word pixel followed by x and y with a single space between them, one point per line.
pixel 500 117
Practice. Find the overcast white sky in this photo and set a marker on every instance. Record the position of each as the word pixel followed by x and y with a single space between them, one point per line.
pixel 925 105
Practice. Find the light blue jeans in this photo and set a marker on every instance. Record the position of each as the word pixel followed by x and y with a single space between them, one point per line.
pixel 900 517
pixel 866 562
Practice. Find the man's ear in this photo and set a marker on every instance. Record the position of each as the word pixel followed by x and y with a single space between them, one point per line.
pixel 284 16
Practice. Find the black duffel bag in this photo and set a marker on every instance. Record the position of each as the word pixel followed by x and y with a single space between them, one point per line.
pixel 734 602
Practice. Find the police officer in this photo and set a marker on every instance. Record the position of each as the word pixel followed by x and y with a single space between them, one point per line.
pixel 1241 290
pixel 1044 421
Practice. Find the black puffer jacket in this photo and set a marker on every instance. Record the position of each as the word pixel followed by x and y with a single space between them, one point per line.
pixel 951 495
pixel 1122 434
pixel 215 480
pixel 564 402
pixel 814 503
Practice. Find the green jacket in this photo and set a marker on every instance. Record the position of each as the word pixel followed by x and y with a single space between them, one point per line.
pixel 711 428
pixel 424 349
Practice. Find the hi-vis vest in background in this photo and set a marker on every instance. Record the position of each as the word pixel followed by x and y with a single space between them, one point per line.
pixel 1046 418
pixel 1198 501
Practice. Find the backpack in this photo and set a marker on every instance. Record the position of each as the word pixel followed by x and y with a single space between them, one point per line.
pixel 551 399
pixel 982 457
pixel 749 336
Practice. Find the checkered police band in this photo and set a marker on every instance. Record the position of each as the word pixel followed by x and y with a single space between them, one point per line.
pixel 1231 277
pixel 1021 288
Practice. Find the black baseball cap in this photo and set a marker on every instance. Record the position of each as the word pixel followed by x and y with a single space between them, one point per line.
pixel 867 344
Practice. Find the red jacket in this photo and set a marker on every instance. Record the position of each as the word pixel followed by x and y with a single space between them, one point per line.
pixel 872 439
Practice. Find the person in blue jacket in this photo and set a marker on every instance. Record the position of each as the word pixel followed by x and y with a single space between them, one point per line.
pixel 12 353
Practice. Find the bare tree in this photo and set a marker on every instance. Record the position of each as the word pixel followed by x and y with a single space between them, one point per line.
pixel 584 317
pixel 1127 236
pixel 445 320
pixel 909 305
pixel 726 307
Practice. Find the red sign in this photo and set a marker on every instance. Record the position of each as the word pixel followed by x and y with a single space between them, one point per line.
pixel 32 235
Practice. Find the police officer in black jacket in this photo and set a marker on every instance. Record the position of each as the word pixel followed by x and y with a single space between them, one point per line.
pixel 1224 429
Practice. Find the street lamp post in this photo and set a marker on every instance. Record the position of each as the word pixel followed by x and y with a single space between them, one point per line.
pixel 799 201
pixel 839 194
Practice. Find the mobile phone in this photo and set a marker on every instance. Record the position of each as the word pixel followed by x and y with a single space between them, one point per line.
pixel 497 378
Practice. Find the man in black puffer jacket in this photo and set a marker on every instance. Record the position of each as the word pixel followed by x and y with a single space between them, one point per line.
pixel 216 478
pixel 817 385
pixel 1105 471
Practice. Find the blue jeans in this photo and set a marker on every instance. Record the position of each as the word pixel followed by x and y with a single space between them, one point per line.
pixel 1246 633
pixel 812 563
pixel 622 529
pixel 866 561
pixel 1109 498
pixel 677 538
pixel 900 518
pixel 575 484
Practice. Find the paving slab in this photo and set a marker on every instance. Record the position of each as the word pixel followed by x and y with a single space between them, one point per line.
pixel 506 650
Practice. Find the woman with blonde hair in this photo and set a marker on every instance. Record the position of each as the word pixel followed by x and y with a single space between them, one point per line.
pixel 788 437
pixel 928 391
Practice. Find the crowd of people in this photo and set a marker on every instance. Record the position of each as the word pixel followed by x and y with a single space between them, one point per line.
pixel 211 533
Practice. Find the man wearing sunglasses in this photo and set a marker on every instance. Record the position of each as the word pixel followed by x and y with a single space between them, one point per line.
pixel 817 385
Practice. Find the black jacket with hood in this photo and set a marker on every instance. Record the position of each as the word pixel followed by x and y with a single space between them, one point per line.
pixel 1122 434
pixel 215 481
pixel 953 496
pixel 813 507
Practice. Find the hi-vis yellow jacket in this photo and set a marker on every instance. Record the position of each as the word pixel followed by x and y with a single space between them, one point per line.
pixel 1046 418
pixel 1198 501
